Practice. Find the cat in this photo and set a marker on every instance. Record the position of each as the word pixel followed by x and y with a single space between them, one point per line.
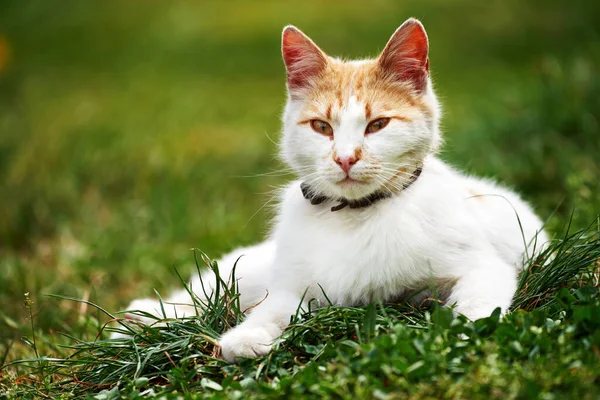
pixel 375 214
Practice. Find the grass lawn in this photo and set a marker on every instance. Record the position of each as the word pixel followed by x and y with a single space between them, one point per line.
pixel 131 132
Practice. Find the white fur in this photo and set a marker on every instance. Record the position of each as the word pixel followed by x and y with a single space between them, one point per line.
pixel 434 231
pixel 434 234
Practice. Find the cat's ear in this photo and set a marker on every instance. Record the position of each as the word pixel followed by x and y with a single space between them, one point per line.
pixel 405 56
pixel 303 59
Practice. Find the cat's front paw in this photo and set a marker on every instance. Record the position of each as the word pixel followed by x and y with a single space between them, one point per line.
pixel 246 342
pixel 475 312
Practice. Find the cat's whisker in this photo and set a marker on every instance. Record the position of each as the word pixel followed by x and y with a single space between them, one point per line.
pixel 279 172
pixel 399 168
pixel 394 175
pixel 270 139
pixel 391 184
pixel 273 197
pixel 310 178
pixel 382 182
pixel 404 171
pixel 265 174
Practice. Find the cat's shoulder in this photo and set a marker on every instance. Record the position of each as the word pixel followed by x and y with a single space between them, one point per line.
pixel 439 174
pixel 434 168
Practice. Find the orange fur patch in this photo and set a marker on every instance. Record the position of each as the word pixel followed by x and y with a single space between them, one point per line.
pixel 368 112
pixel 475 195
pixel 382 95
pixel 358 153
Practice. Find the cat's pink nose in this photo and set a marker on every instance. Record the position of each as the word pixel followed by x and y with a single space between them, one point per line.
pixel 345 163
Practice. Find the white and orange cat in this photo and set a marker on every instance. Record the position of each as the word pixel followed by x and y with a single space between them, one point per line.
pixel 374 213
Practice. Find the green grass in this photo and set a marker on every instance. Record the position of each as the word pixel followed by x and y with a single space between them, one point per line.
pixel 127 135
pixel 341 352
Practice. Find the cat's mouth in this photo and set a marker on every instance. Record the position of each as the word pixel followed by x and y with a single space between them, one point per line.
pixel 350 181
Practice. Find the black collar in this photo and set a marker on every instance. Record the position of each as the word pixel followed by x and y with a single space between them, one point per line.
pixel 316 198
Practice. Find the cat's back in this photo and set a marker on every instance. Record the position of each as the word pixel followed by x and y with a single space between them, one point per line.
pixel 508 222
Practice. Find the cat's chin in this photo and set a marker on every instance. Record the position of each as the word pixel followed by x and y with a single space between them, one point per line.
pixel 347 181
pixel 352 189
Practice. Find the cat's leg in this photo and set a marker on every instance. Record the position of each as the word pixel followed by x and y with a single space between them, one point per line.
pixel 178 305
pixel 254 337
pixel 479 290
pixel 251 273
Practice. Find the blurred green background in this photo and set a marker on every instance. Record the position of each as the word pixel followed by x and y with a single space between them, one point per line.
pixel 131 131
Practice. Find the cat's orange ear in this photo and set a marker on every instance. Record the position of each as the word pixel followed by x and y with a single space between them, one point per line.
pixel 405 56
pixel 302 57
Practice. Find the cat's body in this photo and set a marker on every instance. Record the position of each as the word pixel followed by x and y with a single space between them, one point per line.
pixel 352 129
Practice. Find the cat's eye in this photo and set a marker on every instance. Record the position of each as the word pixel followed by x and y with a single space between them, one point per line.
pixel 377 125
pixel 321 127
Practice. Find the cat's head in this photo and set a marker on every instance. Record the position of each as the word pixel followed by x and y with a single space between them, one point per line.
pixel 351 128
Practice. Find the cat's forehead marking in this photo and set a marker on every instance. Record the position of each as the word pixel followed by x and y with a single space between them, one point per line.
pixel 352 112
pixel 354 106
pixel 378 95
pixel 328 112
pixel 332 93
